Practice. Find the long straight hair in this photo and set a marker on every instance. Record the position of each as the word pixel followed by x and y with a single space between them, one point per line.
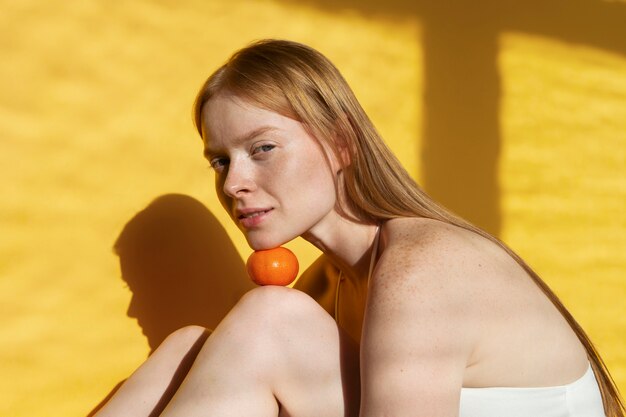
pixel 299 82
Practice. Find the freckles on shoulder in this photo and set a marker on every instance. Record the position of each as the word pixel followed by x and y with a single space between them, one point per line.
pixel 423 285
pixel 423 256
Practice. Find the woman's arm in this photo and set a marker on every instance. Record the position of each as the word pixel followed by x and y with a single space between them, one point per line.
pixel 416 337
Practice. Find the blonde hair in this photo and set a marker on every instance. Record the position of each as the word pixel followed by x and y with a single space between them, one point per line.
pixel 299 82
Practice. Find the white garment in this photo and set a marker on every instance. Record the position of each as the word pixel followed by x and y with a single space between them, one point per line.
pixel 581 398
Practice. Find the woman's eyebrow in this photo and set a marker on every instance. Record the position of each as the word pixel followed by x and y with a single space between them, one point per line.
pixel 208 151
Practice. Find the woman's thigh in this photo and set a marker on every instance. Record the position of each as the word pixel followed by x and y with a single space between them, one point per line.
pixel 148 390
pixel 277 349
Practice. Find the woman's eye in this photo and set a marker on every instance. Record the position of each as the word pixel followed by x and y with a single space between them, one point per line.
pixel 263 148
pixel 219 163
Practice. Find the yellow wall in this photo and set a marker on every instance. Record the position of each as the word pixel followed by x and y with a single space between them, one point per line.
pixel 97 147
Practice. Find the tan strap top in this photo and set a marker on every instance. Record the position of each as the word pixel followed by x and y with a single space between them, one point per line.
pixel 369 274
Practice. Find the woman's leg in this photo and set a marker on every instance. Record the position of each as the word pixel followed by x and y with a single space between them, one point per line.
pixel 148 390
pixel 276 351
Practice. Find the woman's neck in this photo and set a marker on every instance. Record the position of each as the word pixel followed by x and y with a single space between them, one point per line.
pixel 347 244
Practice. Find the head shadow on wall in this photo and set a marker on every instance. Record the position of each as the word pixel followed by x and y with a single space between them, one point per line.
pixel 180 266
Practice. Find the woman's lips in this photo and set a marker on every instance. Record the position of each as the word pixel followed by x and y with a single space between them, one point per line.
pixel 253 218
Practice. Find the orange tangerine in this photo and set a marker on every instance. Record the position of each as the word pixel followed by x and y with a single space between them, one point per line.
pixel 278 266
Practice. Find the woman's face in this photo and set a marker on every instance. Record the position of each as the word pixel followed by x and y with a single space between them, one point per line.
pixel 271 176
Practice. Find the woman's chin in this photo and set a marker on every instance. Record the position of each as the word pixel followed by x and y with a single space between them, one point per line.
pixel 261 244
pixel 258 243
pixel 263 247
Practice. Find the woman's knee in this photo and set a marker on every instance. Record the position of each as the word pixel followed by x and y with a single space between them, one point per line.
pixel 281 322
pixel 305 345
pixel 267 317
pixel 274 305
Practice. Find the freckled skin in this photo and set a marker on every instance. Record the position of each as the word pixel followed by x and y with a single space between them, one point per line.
pixel 271 177
pixel 438 269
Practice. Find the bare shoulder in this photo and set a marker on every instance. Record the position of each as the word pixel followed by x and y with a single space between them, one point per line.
pixel 455 279
pixel 418 248
pixel 444 267
pixel 430 270
pixel 418 332
pixel 423 234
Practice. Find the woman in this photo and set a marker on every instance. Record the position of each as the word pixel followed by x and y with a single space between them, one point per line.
pixel 431 313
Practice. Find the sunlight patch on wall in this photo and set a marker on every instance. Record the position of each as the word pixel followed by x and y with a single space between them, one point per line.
pixel 563 177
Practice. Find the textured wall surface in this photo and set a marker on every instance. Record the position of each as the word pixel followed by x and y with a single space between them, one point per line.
pixel 108 220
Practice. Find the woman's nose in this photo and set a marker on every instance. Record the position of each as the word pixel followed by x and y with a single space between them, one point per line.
pixel 239 179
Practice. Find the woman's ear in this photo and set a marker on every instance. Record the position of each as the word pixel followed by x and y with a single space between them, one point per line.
pixel 345 154
pixel 343 145
pixel 338 153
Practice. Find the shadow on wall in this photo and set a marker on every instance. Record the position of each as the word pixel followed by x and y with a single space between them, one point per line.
pixel 181 267
pixel 462 90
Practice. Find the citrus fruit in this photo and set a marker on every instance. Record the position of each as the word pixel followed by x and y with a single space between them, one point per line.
pixel 278 266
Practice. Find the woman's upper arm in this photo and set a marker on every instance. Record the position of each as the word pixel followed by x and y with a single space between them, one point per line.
pixel 416 338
